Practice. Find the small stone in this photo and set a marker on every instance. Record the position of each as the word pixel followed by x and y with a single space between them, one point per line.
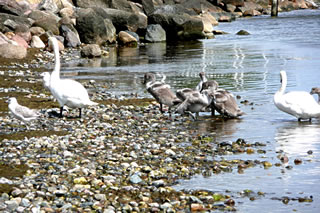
pixel 310 152
pixel 81 180
pixel 243 32
pixel 170 152
pixel 297 161
pixel 25 202
pixel 100 197
pixel 197 207
pixel 135 179
pixel 16 192
pixel 12 204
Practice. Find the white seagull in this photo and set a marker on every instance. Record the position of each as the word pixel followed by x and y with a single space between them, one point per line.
pixel 68 92
pixel 300 104
pixel 21 112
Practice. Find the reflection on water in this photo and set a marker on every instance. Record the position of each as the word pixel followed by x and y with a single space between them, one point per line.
pixel 220 127
pixel 297 139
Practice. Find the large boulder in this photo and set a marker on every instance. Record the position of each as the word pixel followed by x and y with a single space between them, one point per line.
pixel 91 50
pixel 17 20
pixel 72 38
pixel 11 7
pixel 23 32
pixel 46 20
pixel 94 28
pixel 90 3
pixel 178 26
pixel 12 51
pixel 200 6
pixel 125 38
pixel 123 20
pixel 237 3
pixel 36 42
pixel 48 5
pixel 155 33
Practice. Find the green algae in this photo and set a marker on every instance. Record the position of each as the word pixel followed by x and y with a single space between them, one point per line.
pixel 9 172
pixel 30 134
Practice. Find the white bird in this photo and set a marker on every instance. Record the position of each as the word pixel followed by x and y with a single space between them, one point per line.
pixel 300 104
pixel 68 92
pixel 195 103
pixel 46 80
pixel 21 112
pixel 160 91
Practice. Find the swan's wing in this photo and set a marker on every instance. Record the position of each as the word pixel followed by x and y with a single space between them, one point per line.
pixel 73 89
pixel 184 93
pixel 221 96
pixel 300 102
pixel 197 98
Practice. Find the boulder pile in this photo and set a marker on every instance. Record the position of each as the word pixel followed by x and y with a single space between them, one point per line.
pixel 29 23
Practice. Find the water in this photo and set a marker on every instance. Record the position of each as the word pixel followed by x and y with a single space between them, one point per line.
pixel 247 66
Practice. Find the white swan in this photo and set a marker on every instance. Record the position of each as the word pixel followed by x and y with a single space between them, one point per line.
pixel 21 112
pixel 300 104
pixel 68 92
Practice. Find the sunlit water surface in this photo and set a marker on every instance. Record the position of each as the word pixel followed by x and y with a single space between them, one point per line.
pixel 247 66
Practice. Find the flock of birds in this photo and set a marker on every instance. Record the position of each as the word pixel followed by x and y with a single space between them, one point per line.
pixel 206 96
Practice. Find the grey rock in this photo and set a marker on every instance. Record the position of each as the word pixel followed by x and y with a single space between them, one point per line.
pixel 91 50
pixel 12 204
pixel 155 33
pixel 48 5
pixel 93 28
pixel 16 192
pixel 71 35
pixel 25 202
pixel 2 206
pixel 123 20
pixel 11 7
pixel 135 179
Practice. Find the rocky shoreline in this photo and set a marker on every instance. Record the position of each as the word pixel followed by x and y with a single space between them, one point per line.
pixel 94 24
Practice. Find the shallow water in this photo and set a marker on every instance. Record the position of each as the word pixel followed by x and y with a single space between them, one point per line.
pixel 247 66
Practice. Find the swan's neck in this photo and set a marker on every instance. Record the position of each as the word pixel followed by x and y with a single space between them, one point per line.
pixel 56 72
pixel 283 84
pixel 204 79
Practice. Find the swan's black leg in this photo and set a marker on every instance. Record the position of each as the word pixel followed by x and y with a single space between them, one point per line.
pixel 61 110
pixel 79 112
pixel 161 110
